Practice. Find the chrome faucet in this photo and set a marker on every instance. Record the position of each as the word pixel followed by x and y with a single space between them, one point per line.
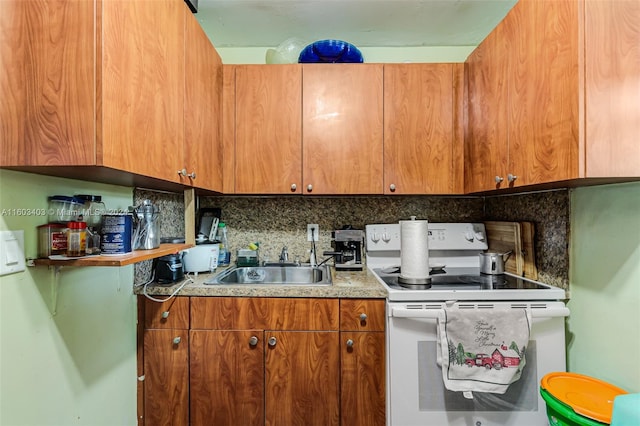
pixel 284 255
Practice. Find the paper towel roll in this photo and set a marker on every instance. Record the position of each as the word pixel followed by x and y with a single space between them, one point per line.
pixel 414 249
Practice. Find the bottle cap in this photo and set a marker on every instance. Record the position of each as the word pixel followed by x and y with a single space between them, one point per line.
pixel 77 225
pixel 221 225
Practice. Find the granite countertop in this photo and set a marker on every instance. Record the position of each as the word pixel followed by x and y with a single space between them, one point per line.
pixel 346 284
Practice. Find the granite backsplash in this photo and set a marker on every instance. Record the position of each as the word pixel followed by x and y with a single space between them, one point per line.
pixel 275 222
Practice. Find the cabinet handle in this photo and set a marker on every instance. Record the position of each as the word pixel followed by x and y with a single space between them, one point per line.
pixel 192 175
pixel 294 187
pixel 363 317
pixel 511 178
pixel 176 340
pixel 253 341
pixel 165 314
pixel 349 343
pixel 309 188
pixel 182 172
pixel 272 341
pixel 392 188
pixel 499 179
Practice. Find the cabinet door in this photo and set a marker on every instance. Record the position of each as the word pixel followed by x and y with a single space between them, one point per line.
pixel 486 133
pixel 302 378
pixel 47 112
pixel 612 88
pixel 342 122
pixel 268 129
pixel 227 377
pixel 419 129
pixel 166 377
pixel 362 393
pixel 203 109
pixel 142 84
pixel 543 91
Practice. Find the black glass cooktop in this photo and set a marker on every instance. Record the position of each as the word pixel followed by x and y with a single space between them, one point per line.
pixel 459 279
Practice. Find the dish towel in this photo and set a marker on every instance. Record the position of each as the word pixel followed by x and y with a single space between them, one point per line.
pixel 482 350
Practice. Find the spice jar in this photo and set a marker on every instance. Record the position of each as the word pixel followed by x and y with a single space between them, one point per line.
pixel 76 239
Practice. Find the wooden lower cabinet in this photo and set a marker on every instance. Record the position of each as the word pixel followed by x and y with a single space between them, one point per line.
pixel 263 361
pixel 226 377
pixel 166 377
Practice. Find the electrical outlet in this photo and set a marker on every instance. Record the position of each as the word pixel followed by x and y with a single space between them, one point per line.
pixel 316 231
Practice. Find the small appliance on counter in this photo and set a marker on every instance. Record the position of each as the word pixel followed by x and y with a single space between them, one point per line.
pixel 348 244
pixel 201 258
pixel 169 269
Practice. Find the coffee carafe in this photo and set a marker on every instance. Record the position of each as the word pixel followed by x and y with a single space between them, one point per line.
pixel 146 233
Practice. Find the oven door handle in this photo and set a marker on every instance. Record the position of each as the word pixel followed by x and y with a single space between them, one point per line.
pixel 434 313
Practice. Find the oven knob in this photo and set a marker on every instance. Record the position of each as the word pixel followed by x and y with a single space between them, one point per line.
pixel 386 238
pixel 479 236
pixel 468 236
pixel 375 237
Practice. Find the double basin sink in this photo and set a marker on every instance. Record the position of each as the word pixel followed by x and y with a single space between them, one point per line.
pixel 274 275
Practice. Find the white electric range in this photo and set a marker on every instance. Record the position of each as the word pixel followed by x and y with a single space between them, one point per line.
pixel 415 391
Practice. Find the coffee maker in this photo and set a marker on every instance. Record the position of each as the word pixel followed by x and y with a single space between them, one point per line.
pixel 348 244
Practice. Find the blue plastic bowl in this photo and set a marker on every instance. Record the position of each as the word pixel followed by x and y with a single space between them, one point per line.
pixel 330 51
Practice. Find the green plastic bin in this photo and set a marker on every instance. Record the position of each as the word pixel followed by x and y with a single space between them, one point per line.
pixel 578 400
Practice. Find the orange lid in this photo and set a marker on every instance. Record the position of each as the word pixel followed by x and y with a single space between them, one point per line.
pixel 587 396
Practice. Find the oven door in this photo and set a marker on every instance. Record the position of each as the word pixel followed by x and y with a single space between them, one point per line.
pixel 416 393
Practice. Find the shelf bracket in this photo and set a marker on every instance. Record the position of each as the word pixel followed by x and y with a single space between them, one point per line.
pixel 55 287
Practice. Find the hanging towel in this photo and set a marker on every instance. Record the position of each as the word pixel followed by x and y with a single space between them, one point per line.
pixel 482 350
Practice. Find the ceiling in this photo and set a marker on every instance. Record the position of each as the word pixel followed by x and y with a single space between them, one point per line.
pixel 364 23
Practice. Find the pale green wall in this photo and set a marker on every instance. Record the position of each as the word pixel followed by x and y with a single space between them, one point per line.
pixel 74 362
pixel 604 325
pixel 256 55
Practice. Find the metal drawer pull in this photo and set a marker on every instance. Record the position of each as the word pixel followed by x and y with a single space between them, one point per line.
pixel 176 340
pixel 165 314
pixel 253 341
pixel 272 341
pixel 349 343
pixel 363 317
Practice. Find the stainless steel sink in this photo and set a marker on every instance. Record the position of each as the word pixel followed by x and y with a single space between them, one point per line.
pixel 274 275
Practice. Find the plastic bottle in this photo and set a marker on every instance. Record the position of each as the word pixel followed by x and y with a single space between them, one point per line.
pixel 76 239
pixel 224 259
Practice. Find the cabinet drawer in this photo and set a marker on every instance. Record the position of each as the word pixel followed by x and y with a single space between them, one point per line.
pixel 362 314
pixel 229 313
pixel 173 313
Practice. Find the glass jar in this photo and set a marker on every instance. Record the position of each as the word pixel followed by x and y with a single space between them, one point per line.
pixel 92 210
pixel 76 239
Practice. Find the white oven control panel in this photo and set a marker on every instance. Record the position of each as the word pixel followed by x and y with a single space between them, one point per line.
pixel 442 236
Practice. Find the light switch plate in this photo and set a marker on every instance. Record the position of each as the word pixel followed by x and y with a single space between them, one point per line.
pixel 11 252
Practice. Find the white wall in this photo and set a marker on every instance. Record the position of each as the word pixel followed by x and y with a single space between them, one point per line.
pixel 71 360
pixel 604 325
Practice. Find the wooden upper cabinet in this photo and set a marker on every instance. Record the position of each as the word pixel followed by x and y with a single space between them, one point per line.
pixel 612 88
pixel 268 130
pixel 571 100
pixel 203 149
pixel 522 119
pixel 486 144
pixel 143 87
pixel 542 91
pixel 342 129
pixel 96 83
pixel 422 129
pixel 47 112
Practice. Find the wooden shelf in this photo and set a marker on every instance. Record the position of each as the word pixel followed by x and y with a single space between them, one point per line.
pixel 125 259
